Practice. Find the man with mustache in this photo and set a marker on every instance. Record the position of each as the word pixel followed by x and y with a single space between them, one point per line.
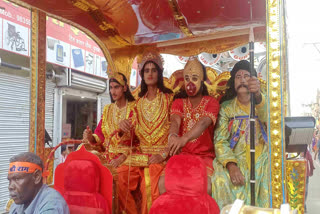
pixel 193 118
pixel 231 178
pixel 29 194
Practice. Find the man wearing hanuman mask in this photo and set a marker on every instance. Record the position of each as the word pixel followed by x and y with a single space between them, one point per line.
pixel 193 117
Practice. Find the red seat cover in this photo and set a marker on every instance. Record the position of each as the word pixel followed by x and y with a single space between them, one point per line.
pixel 84 183
pixel 186 186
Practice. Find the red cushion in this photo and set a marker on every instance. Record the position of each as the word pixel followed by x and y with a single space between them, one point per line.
pixel 180 204
pixel 186 175
pixel 81 175
pixel 186 186
pixel 85 210
pixel 84 182
pixel 93 200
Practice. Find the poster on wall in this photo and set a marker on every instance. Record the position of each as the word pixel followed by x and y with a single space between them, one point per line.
pixel 104 67
pixel 77 58
pixel 66 130
pixel 16 38
pixel 89 62
pixel 58 52
pixel 97 65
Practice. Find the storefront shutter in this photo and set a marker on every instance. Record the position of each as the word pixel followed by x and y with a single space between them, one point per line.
pixel 14 124
pixel 50 86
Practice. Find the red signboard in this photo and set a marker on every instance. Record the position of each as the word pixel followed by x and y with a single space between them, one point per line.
pixel 66 45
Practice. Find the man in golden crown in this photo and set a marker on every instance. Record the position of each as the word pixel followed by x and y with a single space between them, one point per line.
pixel 151 125
pixel 193 117
pixel 232 165
pixel 118 146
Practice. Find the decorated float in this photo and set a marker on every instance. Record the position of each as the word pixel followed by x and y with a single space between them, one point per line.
pixel 124 29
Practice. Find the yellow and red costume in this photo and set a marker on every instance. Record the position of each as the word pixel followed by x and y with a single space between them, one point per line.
pixel 106 134
pixel 203 146
pixel 151 127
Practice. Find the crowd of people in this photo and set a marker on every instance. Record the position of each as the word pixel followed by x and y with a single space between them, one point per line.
pixel 157 142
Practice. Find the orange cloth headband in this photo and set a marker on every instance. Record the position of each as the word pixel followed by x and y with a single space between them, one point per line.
pixel 23 167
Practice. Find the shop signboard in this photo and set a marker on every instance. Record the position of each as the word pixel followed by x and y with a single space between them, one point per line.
pixel 67 46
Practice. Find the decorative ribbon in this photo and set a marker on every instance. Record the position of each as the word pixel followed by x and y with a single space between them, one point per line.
pixel 235 137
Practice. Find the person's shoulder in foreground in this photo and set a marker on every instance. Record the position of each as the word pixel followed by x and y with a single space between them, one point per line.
pixel 48 200
pixel 27 190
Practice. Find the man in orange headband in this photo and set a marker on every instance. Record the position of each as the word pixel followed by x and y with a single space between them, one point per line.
pixel 26 189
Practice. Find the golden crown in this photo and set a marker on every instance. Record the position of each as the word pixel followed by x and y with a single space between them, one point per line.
pixel 117 76
pixel 194 65
pixel 150 55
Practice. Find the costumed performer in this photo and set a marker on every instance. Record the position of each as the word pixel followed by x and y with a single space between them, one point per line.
pixel 231 178
pixel 118 146
pixel 193 118
pixel 151 124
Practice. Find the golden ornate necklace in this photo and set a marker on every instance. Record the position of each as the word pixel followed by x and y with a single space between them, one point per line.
pixel 150 108
pixel 119 113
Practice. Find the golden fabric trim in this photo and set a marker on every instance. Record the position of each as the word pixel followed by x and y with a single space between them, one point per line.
pixel 97 138
pixel 176 111
pixel 110 124
pixel 192 115
pixel 211 116
pixel 103 24
pixel 118 149
pixel 148 187
pixel 138 160
pixel 155 132
pixel 153 149
pixel 178 16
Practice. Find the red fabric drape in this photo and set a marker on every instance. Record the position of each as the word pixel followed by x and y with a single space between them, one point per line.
pixel 186 185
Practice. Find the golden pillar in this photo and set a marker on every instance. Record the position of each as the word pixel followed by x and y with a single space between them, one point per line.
pixel 275 70
pixel 38 82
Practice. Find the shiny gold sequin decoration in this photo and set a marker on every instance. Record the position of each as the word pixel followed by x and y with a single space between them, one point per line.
pixel 150 108
pixel 296 173
pixel 275 100
pixel 178 16
pixel 150 54
pixel 153 134
pixel 119 114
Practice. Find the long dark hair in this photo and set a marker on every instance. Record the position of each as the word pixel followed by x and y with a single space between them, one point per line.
pixel 183 94
pixel 231 91
pixel 160 84
pixel 127 94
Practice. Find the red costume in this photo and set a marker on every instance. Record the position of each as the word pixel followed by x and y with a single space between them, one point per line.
pixel 203 145
pixel 186 185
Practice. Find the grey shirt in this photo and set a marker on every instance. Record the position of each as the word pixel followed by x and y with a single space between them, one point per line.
pixel 47 201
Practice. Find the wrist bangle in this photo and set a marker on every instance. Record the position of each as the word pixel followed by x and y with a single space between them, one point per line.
pixel 172 134
pixel 164 155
